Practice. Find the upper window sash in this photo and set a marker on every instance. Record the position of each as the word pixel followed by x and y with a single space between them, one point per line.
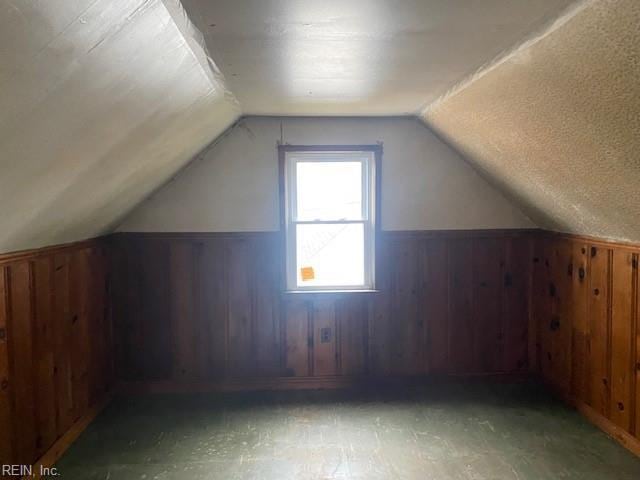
pixel 365 159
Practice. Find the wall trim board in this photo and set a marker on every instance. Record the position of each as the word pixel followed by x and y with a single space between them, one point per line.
pixel 426 234
pixel 310 383
pixel 591 240
pixel 30 254
pixel 624 438
pixel 594 417
pixel 55 452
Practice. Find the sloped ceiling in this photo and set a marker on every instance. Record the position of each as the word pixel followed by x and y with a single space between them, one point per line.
pixel 556 123
pixel 101 101
pixel 357 57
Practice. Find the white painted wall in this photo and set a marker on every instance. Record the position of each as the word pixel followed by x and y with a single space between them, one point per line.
pixel 234 185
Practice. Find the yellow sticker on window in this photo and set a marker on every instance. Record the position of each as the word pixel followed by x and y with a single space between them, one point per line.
pixel 307 273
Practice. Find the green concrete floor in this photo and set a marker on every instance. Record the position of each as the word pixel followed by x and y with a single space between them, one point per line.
pixel 443 432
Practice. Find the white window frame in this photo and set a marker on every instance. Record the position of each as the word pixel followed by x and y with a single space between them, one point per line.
pixel 368 158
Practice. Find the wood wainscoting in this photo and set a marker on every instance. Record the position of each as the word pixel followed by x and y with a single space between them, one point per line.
pixel 585 308
pixel 55 346
pixel 195 308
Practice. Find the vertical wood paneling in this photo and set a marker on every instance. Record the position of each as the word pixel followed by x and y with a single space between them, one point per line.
pixel 62 341
pixel 435 293
pixel 407 336
pixel 324 349
pixel 213 304
pixel 297 338
pixel 622 328
pixel 266 307
pixel 560 322
pixel 599 330
pixel 240 271
pixel 579 301
pixel 515 305
pixel 541 304
pixel 99 328
pixel 21 361
pixel 183 318
pixel 461 318
pixel 223 295
pixel 636 365
pixel 153 309
pixel 487 263
pixel 44 358
pixel 54 346
pixel 596 284
pixel 6 414
pixel 380 322
pixel 79 282
pixel 351 320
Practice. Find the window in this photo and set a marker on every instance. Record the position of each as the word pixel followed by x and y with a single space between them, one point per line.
pixel 329 211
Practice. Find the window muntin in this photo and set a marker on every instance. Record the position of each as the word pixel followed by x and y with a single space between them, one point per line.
pixel 330 220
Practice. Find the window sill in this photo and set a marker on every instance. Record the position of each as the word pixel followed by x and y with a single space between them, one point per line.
pixel 326 294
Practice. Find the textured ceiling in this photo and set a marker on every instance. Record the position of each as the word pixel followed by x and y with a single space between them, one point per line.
pixel 556 123
pixel 357 57
pixel 101 101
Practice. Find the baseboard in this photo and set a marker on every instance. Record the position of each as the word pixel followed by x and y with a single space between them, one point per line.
pixel 303 383
pixel 61 445
pixel 621 436
pixel 240 385
pixel 616 432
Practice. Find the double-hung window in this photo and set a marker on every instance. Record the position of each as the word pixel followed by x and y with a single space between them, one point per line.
pixel 329 208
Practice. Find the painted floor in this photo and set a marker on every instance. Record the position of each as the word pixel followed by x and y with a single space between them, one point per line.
pixel 444 432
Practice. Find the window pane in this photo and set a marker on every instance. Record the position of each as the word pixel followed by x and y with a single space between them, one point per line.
pixel 330 255
pixel 329 190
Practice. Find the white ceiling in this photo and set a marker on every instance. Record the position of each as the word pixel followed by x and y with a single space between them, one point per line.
pixel 101 101
pixel 357 57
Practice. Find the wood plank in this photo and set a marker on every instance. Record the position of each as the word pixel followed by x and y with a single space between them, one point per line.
pixel 62 340
pixel 488 334
pixel 265 278
pixel 297 338
pixel 598 339
pixel 636 366
pixel 79 282
pixel 183 318
pixel 6 413
pixel 43 349
pixel 407 333
pixel 379 315
pixel 541 304
pixel 324 337
pixel 516 290
pixel 21 361
pixel 435 291
pixel 241 352
pixel 622 327
pixel 214 296
pixel 153 307
pixel 560 324
pixel 101 330
pixel 579 320
pixel 351 320
pixel 461 326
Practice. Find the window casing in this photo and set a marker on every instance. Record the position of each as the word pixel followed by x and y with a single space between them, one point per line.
pixel 329 217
